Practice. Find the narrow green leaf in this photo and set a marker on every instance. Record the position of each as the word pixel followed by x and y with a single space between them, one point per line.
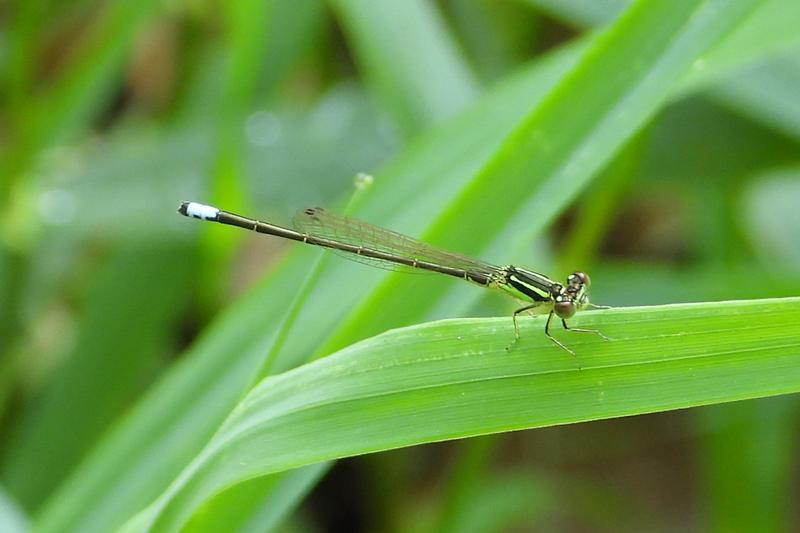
pixel 455 378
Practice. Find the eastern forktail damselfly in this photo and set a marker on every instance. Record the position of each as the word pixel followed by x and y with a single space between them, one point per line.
pixel 381 247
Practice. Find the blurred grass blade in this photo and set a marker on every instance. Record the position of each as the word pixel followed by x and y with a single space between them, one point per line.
pixel 748 456
pixel 410 58
pixel 496 36
pixel 603 199
pixel 770 30
pixel 259 504
pixel 118 350
pixel 516 501
pixel 83 88
pixel 288 32
pixel 246 54
pixel 12 272
pixel 12 518
pixel 171 424
pixel 763 90
pixel 771 217
pixel 582 13
pixel 767 92
pixel 468 471
pixel 245 21
pixel 454 379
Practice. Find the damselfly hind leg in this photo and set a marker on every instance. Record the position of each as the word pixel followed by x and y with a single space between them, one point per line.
pixel 581 330
pixel 516 326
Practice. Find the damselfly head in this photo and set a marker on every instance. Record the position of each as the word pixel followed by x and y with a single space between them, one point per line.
pixel 568 300
pixel 578 279
pixel 313 212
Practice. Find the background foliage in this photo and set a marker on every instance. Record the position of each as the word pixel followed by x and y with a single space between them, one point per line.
pixel 146 360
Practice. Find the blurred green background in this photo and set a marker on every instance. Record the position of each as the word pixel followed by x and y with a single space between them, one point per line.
pixel 114 112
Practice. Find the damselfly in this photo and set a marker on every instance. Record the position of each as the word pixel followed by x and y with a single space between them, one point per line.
pixel 381 247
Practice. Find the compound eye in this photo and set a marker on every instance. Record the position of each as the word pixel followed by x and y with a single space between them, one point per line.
pixel 564 308
pixel 579 278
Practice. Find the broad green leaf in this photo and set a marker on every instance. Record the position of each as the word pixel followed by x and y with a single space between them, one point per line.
pixel 456 378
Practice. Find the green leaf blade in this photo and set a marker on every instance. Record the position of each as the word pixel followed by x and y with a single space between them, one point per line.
pixel 455 379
